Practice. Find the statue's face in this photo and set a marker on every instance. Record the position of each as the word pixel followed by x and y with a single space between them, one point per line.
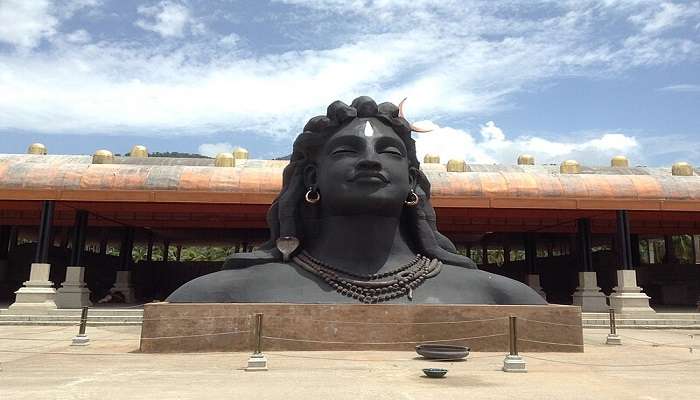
pixel 363 169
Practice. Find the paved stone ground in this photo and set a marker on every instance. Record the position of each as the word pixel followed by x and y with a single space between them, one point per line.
pixel 651 364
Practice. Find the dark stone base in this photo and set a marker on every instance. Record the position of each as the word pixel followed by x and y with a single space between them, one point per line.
pixel 208 327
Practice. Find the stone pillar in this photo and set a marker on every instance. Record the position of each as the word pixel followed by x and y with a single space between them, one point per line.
pixel 533 278
pixel 587 295
pixel 73 292
pixel 122 282
pixel 37 295
pixel 4 252
pixel 627 297
pixel 696 252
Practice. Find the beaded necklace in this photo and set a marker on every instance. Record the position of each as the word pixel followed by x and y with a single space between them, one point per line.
pixel 372 288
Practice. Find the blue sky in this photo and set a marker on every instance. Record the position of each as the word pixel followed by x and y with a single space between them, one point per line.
pixel 558 79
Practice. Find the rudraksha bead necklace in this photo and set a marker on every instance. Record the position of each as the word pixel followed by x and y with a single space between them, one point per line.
pixel 373 288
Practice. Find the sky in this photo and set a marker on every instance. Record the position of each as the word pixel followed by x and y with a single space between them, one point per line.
pixel 565 79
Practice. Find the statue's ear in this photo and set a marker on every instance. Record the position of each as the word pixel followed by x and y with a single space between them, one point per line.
pixel 413 173
pixel 310 176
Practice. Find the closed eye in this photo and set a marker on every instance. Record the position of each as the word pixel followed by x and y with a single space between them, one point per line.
pixel 343 150
pixel 391 150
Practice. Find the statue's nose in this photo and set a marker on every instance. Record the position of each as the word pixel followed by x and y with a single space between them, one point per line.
pixel 369 164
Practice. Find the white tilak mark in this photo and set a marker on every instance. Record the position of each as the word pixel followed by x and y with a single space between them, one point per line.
pixel 368 129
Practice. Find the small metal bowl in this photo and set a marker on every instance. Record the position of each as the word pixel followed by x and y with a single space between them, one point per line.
pixel 434 372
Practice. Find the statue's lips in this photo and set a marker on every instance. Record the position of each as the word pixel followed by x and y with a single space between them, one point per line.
pixel 367 176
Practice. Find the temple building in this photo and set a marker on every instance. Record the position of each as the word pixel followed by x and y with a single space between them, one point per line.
pixel 75 228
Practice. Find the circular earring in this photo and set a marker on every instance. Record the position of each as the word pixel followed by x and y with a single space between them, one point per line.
pixel 312 195
pixel 413 199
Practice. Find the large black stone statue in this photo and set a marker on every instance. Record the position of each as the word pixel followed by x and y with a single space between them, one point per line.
pixel 353 224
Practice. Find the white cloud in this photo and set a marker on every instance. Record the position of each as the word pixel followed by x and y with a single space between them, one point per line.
pixel 24 23
pixel 79 36
pixel 230 40
pixel 495 147
pixel 168 19
pixel 665 16
pixel 684 87
pixel 212 149
pixel 459 61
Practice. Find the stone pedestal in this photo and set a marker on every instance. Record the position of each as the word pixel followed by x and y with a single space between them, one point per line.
pixel 514 363
pixel 627 297
pixel 123 284
pixel 533 280
pixel 613 339
pixel 80 340
pixel 73 293
pixel 180 327
pixel 588 295
pixel 257 362
pixel 37 295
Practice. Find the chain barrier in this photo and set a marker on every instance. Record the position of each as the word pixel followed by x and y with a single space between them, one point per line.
pixel 192 336
pixel 552 343
pixel 387 323
pixel 382 343
pixel 193 318
pixel 549 323
pixel 614 365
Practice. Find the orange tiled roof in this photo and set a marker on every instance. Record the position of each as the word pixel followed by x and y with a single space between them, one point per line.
pixel 258 181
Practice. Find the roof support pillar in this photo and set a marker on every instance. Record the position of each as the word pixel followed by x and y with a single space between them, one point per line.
pixel 123 283
pixel 45 226
pixel 587 295
pixel 627 297
pixel 533 278
pixel 37 295
pixel 73 292
pixel 5 233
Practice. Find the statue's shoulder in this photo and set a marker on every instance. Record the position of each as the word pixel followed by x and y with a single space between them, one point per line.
pixel 230 285
pixel 487 287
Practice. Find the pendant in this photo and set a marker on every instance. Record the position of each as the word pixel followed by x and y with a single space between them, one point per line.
pixel 410 294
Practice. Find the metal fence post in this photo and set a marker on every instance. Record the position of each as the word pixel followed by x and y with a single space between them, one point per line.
pixel 613 338
pixel 257 361
pixel 513 362
pixel 82 339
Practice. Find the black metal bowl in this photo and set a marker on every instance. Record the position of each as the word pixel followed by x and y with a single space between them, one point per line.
pixel 442 351
pixel 434 372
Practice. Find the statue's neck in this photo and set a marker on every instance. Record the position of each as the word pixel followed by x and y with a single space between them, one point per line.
pixel 364 244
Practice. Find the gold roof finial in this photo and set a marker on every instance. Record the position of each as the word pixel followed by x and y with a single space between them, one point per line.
pixel 225 160
pixel 456 166
pixel 570 167
pixel 682 169
pixel 526 159
pixel 239 153
pixel 102 157
pixel 619 162
pixel 139 151
pixel 431 158
pixel 37 148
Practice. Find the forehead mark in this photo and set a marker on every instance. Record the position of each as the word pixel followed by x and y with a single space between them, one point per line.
pixel 369 131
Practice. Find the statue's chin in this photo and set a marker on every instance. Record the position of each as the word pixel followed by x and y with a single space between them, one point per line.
pixel 381 207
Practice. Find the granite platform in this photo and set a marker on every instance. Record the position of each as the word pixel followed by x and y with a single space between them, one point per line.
pixel 207 327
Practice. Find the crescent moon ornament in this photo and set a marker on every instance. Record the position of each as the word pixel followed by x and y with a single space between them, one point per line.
pixel 413 127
